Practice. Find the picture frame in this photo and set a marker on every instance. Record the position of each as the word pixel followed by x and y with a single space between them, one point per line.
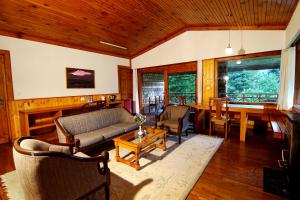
pixel 80 78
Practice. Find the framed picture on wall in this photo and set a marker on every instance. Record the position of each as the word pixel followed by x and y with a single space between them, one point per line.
pixel 80 78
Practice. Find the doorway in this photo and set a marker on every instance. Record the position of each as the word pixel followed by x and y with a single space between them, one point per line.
pixel 125 76
pixel 6 94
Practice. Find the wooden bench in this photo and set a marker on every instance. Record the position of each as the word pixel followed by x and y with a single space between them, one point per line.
pixel 278 125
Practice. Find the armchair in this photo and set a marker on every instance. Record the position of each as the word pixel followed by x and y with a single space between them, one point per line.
pixel 174 118
pixel 55 171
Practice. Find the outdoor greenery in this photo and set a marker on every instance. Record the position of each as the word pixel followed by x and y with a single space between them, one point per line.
pixel 182 85
pixel 252 83
pixel 250 79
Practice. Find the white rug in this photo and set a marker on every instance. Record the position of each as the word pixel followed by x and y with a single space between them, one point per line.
pixel 167 175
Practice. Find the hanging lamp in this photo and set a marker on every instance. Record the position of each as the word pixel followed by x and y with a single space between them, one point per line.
pixel 228 50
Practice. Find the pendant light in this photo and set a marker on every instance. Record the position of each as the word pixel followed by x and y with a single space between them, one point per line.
pixel 242 50
pixel 228 50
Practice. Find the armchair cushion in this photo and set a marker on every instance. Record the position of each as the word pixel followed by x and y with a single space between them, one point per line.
pixel 37 145
pixel 172 124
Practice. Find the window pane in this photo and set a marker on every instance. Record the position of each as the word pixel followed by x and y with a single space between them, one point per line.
pixel 152 92
pixel 182 85
pixel 250 80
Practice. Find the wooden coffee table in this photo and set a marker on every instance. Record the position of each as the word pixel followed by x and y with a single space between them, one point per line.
pixel 155 138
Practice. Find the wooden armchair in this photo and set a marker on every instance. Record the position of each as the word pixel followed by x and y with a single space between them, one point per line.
pixel 55 171
pixel 175 119
pixel 217 115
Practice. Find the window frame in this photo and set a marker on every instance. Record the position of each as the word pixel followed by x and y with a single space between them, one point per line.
pixel 240 57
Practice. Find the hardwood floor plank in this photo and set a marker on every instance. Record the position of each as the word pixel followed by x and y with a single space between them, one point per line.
pixel 235 172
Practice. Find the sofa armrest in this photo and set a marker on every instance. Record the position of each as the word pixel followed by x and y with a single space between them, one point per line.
pixel 63 135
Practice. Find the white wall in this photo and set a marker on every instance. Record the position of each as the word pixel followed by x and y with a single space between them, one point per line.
pixel 38 69
pixel 293 28
pixel 199 45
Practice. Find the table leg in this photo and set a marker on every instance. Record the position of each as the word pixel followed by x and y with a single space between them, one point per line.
pixel 117 152
pixel 243 126
pixel 137 157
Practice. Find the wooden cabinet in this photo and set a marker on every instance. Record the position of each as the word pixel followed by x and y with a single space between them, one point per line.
pixel 37 121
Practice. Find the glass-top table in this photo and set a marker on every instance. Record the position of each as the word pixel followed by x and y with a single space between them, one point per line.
pixel 154 138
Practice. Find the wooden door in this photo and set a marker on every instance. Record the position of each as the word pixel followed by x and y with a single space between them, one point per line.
pixel 4 129
pixel 125 82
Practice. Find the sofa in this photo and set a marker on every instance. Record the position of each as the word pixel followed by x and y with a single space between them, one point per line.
pixel 175 119
pixel 94 128
pixel 50 171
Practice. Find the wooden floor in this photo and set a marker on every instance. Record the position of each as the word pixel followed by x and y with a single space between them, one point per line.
pixel 235 172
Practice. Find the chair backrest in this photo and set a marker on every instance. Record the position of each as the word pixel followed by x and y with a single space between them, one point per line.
pixel 176 111
pixel 49 171
pixel 218 104
pixel 182 100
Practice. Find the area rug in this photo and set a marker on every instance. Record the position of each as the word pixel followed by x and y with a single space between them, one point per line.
pixel 168 175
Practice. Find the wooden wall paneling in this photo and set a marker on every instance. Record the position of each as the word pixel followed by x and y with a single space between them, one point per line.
pixel 29 104
pixel 9 95
pixel 208 81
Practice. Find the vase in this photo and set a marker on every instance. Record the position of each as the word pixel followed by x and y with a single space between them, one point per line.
pixel 140 132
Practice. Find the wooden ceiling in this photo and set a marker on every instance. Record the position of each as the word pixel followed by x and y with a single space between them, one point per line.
pixel 136 24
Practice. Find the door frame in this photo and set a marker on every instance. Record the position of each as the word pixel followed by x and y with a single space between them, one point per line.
pixel 184 67
pixel 9 93
pixel 119 82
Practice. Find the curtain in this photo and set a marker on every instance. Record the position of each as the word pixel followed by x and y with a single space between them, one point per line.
pixel 287 79
pixel 135 92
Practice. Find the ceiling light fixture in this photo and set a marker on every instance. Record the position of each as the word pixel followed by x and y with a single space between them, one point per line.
pixel 238 62
pixel 229 50
pixel 242 50
pixel 113 45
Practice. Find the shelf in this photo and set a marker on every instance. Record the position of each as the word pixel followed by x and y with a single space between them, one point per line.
pixel 39 126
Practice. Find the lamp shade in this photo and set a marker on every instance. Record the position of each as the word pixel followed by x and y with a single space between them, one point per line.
pixel 228 50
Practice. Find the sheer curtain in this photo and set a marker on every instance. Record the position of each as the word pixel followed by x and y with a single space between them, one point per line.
pixel 135 91
pixel 287 79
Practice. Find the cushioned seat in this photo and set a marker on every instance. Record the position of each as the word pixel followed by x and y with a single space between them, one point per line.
pixel 95 127
pixel 87 139
pixel 175 118
pixel 126 126
pixel 172 124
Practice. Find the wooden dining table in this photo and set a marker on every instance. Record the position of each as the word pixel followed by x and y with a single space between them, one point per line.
pixel 242 109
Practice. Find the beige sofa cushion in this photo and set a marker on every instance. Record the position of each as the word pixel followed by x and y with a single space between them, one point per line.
pixel 172 124
pixel 87 122
pixel 126 126
pixel 37 145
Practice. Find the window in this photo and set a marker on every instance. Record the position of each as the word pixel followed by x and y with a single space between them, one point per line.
pixel 184 85
pixel 250 79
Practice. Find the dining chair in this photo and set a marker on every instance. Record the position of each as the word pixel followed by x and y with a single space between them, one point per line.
pixel 218 114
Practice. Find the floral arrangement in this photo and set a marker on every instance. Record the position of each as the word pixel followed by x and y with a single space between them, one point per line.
pixel 140 119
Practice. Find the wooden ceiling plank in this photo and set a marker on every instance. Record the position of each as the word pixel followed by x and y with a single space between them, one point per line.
pixel 136 24
pixel 214 10
pixel 234 10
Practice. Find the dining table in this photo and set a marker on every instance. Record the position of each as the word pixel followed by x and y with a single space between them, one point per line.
pixel 243 109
